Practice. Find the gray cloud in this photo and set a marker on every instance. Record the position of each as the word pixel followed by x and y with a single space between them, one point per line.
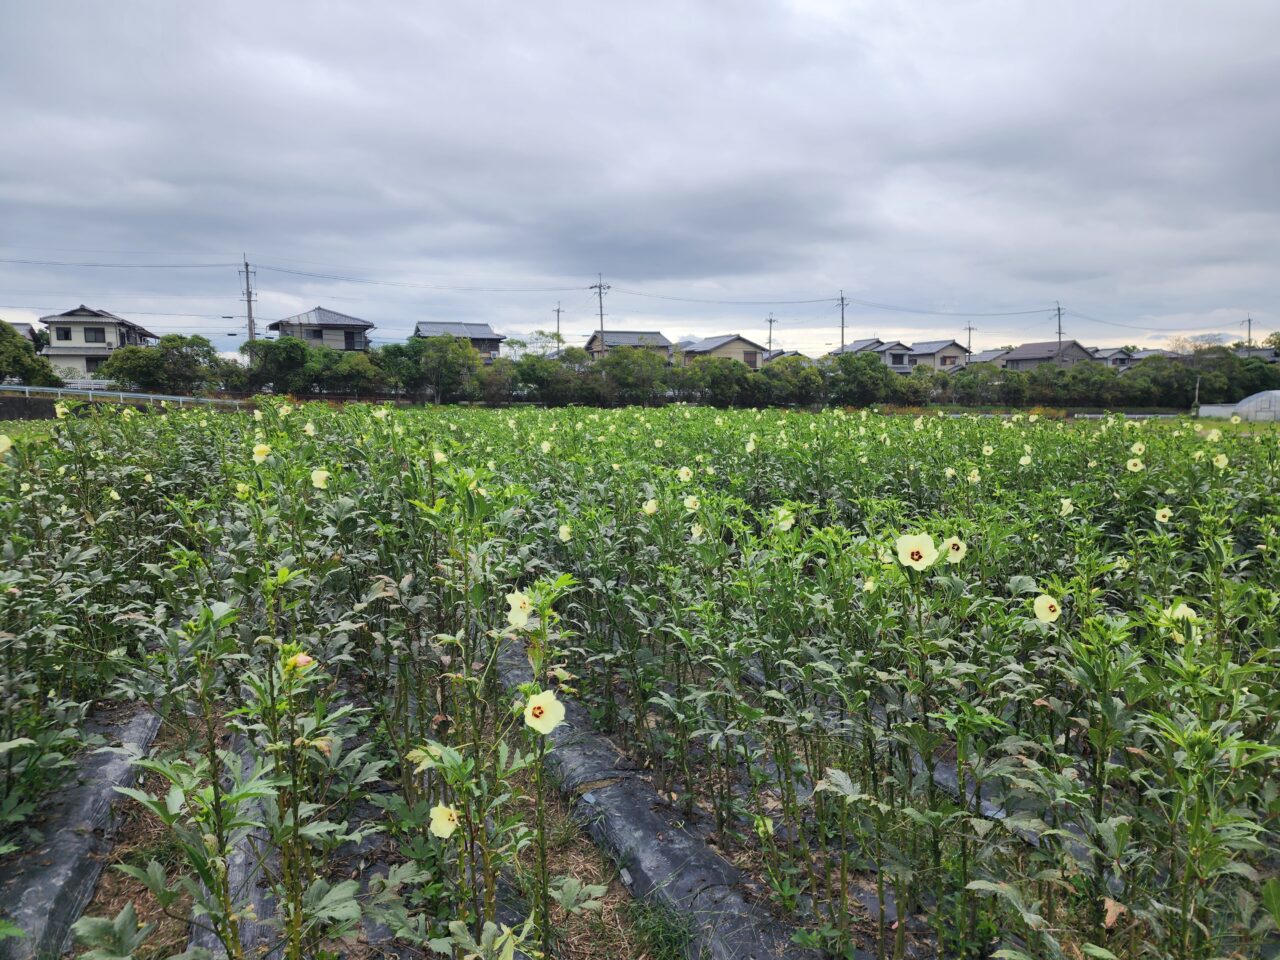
pixel 980 156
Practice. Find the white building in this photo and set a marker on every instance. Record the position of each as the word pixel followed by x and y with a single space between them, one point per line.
pixel 83 339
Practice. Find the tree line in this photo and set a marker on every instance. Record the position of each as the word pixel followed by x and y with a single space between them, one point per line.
pixel 448 369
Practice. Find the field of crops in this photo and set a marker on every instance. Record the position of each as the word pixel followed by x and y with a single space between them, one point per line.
pixel 936 687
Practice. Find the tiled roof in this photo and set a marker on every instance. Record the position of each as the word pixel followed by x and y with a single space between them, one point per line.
pixel 857 346
pixel 632 338
pixel 322 317
pixel 708 344
pixel 926 347
pixel 1040 350
pixel 86 313
pixel 468 331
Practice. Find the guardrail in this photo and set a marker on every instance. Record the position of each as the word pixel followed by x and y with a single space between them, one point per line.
pixel 118 395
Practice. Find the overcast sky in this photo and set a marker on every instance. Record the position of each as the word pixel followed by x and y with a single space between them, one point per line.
pixel 947 157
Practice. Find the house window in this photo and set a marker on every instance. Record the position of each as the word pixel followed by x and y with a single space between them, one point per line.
pixel 751 358
pixel 948 361
pixel 95 334
pixel 315 334
pixel 91 364
pixel 62 333
pixel 349 340
pixel 897 359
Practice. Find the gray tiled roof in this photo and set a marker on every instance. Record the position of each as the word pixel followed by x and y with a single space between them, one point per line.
pixel 1040 350
pixel 24 329
pixel 926 347
pixel 322 317
pixel 469 331
pixel 987 356
pixel 886 347
pixel 632 338
pixel 857 346
pixel 708 344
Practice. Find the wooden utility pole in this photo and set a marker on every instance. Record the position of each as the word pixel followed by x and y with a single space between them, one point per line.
pixel 558 312
pixel 969 343
pixel 248 297
pixel 771 322
pixel 1059 306
pixel 600 287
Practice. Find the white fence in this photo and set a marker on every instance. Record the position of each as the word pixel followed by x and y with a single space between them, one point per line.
pixel 97 393
pixel 1217 411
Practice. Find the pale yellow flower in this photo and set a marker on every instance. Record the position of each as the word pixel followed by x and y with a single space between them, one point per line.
pixel 1220 461
pixel 949 472
pixel 6 443
pixel 444 820
pixel 695 532
pixel 783 518
pixel 1134 465
pixel 954 549
pixel 566 533
pixel 1214 435
pixel 60 410
pixel 320 479
pixel 974 475
pixel 113 494
pixel 685 474
pixel 1139 448
pixel 869 585
pixel 438 457
pixel 381 413
pixel 1025 460
pixel 916 551
pixel 1163 514
pixel 1066 507
pixel 1047 609
pixel 544 712
pixel 1235 418
pixel 545 446
pixel 309 429
pixel 260 452
pixel 691 503
pixel 520 609
pixel 650 506
pixel 988 449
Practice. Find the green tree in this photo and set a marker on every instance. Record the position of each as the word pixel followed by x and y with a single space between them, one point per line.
pixel 634 374
pixel 858 379
pixel 719 381
pixel 176 364
pixel 278 364
pixel 18 359
pixel 498 381
pixel 793 380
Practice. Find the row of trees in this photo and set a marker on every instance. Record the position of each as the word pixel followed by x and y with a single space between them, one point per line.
pixel 448 369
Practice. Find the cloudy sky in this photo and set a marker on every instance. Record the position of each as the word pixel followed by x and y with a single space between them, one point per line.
pixel 484 161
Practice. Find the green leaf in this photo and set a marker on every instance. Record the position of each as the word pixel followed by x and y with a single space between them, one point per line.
pixel 1271 899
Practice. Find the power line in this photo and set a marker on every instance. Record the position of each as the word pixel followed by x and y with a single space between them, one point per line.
pixel 659 296
pixel 147 266
pixel 1130 326
pixel 407 283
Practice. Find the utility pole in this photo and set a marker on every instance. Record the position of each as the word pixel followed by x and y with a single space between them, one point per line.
pixel 600 287
pixel 1059 306
pixel 1249 321
pixel 248 297
pixel 558 312
pixel 771 322
pixel 842 303
pixel 970 328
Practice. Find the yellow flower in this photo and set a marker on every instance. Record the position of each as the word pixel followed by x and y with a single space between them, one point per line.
pixel 6 443
pixel 261 452
pixel 545 446
pixel 243 490
pixel 381 413
pixel 146 478
pixel 751 445
pixel 869 585
pixel 544 712
pixel 1197 455
pixel 444 820
pixel 1033 418
pixel 60 410
pixel 650 507
pixel 1235 418
pixel 1139 448
pixel 658 443
pixel 1181 612
pixel 954 549
pixel 685 474
pixel 1135 465
pixel 1214 435
pixel 1025 460
pixel 320 479
pixel 518 615
pixel 1220 461
pixel 257 415
pixel 916 551
pixel 988 449
pixel 438 457
pixel 691 503
pixel 949 472
pixel 1066 507
pixel 784 519
pixel 974 475
pixel 309 429
pixel 114 495
pixel 1163 515
pixel 566 533
pixel 695 532
pixel 1047 609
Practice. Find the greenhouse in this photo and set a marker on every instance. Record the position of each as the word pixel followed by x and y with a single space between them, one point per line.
pixel 1260 406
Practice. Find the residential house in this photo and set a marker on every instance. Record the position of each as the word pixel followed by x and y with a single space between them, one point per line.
pixel 730 346
pixel 1117 358
pixel 1265 354
pixel 83 339
pixel 895 354
pixel 25 330
pixel 938 354
pixel 598 345
pixel 772 355
pixel 488 343
pixel 321 327
pixel 995 356
pixel 1031 355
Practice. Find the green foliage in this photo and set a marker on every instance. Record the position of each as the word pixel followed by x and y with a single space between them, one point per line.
pixel 18 359
pixel 177 364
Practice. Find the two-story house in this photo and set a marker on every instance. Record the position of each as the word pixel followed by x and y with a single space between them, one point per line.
pixel 730 345
pixel 82 339
pixel 1118 358
pixel 1031 355
pixel 484 338
pixel 320 327
pixel 938 354
pixel 598 345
